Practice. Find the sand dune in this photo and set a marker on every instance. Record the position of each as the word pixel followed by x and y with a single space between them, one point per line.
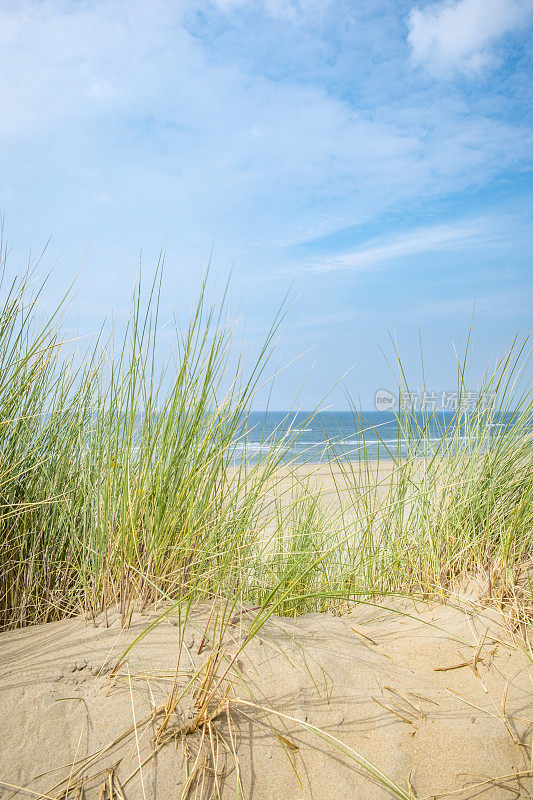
pixel 389 686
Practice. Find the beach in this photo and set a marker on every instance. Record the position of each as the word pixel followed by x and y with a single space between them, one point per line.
pixel 424 697
pixel 381 697
pixel 188 613
pixel 266 400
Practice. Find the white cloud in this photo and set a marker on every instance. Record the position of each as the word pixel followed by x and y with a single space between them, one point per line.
pixel 461 35
pixel 470 233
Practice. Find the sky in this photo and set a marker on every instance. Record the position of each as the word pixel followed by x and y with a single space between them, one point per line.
pixel 371 158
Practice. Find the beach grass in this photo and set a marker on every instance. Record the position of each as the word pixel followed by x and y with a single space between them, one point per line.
pixel 125 479
pixel 125 482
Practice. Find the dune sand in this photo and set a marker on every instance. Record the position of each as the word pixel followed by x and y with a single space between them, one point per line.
pixel 437 700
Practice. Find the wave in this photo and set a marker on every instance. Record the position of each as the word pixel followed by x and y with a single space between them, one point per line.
pixel 325 444
pixel 374 442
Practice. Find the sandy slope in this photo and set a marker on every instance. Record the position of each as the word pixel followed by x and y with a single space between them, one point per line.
pixel 380 695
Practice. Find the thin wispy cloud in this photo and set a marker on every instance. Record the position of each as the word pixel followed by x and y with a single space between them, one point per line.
pixel 386 249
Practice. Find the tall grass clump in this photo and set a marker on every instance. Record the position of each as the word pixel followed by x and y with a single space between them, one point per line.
pixel 123 478
pixel 449 508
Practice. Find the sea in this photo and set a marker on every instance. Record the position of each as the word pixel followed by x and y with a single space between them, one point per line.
pixel 374 435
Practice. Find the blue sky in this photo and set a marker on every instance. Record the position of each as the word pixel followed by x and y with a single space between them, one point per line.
pixel 372 157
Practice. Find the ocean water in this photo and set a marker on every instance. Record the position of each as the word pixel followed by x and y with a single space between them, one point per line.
pixel 344 435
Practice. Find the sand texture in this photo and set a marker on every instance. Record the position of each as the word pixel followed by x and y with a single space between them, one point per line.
pixel 437 700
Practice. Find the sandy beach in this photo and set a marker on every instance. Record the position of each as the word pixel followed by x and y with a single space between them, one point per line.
pixel 383 698
pixel 435 697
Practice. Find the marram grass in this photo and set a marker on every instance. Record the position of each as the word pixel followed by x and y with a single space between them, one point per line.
pixel 115 476
pixel 122 482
